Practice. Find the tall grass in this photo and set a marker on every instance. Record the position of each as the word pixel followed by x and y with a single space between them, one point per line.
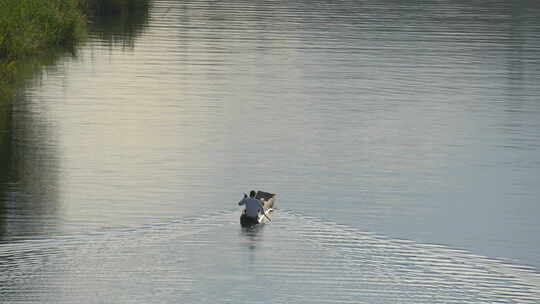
pixel 29 28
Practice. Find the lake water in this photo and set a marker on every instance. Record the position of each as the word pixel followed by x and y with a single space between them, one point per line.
pixel 402 139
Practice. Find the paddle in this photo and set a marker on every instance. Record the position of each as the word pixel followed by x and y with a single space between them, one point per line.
pixel 264 212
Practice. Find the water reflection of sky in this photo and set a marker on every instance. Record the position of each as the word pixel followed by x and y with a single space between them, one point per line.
pixel 416 122
pixel 204 259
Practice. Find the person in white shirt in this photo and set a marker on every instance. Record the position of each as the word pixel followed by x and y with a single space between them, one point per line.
pixel 253 206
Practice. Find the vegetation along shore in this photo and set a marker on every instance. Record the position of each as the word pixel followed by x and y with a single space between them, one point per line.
pixel 30 29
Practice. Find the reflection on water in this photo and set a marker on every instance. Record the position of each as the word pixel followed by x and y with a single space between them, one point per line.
pixel 5 160
pixel 417 120
pixel 120 29
pixel 29 165
pixel 297 259
pixel 29 168
pixel 254 235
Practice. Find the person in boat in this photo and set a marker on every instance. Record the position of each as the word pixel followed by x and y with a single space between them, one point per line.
pixel 253 207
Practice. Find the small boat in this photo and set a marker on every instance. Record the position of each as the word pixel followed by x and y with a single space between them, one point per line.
pixel 268 200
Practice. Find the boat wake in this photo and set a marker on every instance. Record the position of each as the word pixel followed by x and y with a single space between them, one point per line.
pixel 382 269
pixel 209 258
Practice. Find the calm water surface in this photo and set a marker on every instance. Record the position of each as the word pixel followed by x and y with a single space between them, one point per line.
pixel 403 140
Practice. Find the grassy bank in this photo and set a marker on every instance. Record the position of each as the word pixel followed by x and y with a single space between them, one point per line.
pixel 31 28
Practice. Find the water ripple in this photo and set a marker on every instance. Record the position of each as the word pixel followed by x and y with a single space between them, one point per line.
pixel 294 258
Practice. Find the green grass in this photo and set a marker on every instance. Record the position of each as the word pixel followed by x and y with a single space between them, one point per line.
pixel 28 27
pixel 31 28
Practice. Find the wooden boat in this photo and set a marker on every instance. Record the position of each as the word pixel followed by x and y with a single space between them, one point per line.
pixel 268 200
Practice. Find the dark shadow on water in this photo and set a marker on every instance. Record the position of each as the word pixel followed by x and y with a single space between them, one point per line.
pixel 253 234
pixel 29 156
pixel 27 196
pixel 120 30
pixel 28 173
pixel 5 161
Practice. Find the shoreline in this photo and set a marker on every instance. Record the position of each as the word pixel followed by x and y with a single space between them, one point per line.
pixel 32 29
